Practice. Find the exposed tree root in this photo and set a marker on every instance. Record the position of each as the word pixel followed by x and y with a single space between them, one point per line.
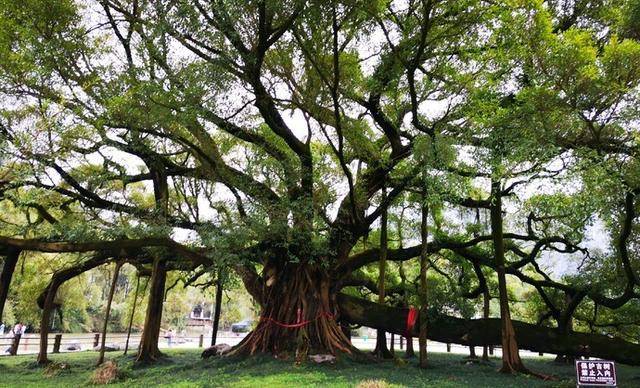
pixel 149 359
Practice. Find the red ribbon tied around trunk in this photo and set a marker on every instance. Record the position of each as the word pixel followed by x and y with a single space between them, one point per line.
pixel 412 317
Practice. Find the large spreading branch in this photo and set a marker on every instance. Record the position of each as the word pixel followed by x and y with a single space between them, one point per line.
pixel 486 332
pixel 116 247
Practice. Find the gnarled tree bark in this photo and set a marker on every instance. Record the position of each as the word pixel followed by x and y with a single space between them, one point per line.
pixel 298 314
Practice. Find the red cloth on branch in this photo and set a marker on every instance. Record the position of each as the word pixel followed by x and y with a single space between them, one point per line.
pixel 412 317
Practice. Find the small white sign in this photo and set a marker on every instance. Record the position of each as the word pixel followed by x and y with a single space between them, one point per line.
pixel 596 373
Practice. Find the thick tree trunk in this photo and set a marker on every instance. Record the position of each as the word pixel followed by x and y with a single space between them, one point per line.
pixel 410 353
pixel 486 297
pixel 424 257
pixel 485 314
pixel 107 312
pixel 133 312
pixel 8 268
pixel 381 351
pixel 149 351
pixel 511 361
pixel 60 318
pixel 217 309
pixel 480 332
pixel 565 325
pixel 45 321
pixel 298 315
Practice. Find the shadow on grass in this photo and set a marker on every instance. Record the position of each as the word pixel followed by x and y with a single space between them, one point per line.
pixel 444 371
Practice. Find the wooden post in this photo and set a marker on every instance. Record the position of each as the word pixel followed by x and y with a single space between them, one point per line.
pixel 15 344
pixel 96 339
pixel 56 343
pixel 540 354
pixel 401 342
pixel 491 350
pixel 448 348
pixel 201 342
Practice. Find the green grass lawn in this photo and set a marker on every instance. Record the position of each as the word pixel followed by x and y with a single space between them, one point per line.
pixel 184 368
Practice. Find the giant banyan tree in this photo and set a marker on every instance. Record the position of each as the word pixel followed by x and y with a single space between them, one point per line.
pixel 313 147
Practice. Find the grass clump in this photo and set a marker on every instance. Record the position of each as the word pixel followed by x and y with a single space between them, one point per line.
pixel 53 369
pixel 373 384
pixel 106 373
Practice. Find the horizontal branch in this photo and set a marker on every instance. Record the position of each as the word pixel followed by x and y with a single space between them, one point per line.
pixel 120 247
pixel 483 332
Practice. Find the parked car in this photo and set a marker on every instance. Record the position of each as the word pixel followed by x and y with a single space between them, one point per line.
pixel 242 326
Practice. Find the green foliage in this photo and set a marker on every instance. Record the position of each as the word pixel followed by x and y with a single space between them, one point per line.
pixel 630 26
